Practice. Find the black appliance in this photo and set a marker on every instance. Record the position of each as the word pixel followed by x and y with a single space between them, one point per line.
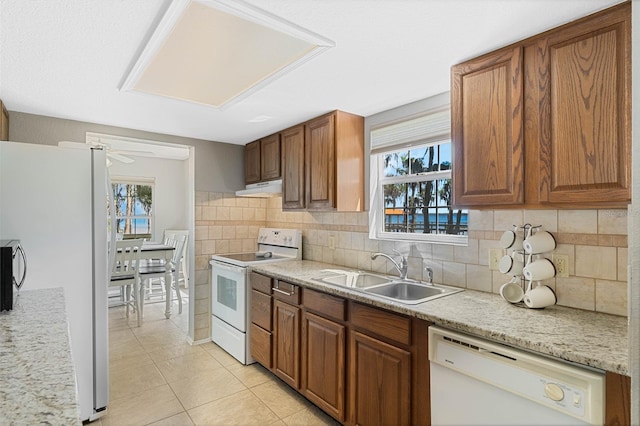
pixel 13 271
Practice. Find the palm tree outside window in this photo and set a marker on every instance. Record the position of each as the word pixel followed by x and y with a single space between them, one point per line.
pixel 134 209
pixel 417 192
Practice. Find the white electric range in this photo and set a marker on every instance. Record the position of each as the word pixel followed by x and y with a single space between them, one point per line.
pixel 231 290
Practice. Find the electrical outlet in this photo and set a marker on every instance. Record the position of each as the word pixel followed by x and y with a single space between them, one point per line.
pixel 332 242
pixel 561 262
pixel 494 258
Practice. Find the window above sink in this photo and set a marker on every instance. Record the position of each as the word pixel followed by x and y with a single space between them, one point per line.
pixel 411 179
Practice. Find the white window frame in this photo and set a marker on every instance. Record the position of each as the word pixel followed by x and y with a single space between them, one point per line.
pixel 430 128
pixel 118 180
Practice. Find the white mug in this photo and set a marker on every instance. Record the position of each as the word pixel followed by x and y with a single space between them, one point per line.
pixel 512 264
pixel 540 297
pixel 511 292
pixel 540 242
pixel 511 239
pixel 539 269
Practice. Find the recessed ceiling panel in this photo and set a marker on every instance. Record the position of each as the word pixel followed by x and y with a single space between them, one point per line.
pixel 211 55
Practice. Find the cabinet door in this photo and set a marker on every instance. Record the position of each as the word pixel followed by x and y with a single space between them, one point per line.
pixel 261 309
pixel 583 91
pixel 487 129
pixel 252 162
pixel 4 123
pixel 380 382
pixel 618 400
pixel 260 345
pixel 270 157
pixel 320 163
pixel 323 349
pixel 293 168
pixel 286 345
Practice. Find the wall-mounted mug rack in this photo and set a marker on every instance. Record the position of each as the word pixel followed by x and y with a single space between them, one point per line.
pixel 526 264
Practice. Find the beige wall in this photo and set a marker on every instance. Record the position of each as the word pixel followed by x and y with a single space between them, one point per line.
pixel 594 240
pixel 218 166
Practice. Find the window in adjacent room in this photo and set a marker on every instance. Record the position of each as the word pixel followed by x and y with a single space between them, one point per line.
pixel 134 208
pixel 411 182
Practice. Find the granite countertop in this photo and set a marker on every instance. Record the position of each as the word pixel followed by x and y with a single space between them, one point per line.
pixel 36 369
pixel 584 337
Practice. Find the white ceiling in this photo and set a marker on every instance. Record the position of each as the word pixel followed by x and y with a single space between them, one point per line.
pixel 68 58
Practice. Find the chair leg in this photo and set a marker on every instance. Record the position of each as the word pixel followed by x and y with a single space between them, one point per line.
pixel 126 298
pixel 142 292
pixel 176 285
pixel 138 296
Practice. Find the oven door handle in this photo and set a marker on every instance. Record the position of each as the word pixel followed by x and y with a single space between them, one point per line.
pixel 225 267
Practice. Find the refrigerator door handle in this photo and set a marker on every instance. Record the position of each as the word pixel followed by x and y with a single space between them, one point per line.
pixel 24 270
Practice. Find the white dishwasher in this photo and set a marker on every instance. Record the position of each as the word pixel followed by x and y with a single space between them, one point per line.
pixel 477 382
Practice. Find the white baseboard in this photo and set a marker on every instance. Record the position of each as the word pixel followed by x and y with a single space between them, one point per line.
pixel 199 342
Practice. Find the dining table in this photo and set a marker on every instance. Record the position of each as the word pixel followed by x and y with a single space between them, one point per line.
pixel 153 250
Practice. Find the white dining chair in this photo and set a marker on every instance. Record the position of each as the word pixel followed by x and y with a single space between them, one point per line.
pixel 151 269
pixel 125 274
pixel 154 286
pixel 183 271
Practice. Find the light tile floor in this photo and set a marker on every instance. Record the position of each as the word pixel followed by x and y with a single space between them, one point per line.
pixel 157 378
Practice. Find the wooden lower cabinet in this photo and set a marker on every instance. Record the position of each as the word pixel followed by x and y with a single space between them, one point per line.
pixel 618 400
pixel 286 342
pixel 260 329
pixel 324 364
pixel 4 123
pixel 260 341
pixel 380 378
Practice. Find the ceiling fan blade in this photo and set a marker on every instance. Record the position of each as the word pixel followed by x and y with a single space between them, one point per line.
pixel 119 157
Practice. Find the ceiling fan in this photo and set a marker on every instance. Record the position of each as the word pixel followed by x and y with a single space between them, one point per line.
pixel 118 154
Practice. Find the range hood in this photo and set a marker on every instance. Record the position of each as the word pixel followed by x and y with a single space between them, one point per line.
pixel 262 189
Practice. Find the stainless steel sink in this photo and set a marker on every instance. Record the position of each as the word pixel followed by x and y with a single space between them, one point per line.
pixel 403 291
pixel 411 292
pixel 353 279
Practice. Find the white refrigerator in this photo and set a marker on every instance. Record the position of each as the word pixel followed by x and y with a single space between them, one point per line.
pixel 54 200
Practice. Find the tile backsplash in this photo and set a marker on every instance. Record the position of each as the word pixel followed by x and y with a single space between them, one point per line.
pixel 594 240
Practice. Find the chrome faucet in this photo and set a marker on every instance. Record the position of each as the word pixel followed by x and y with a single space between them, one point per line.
pixel 429 274
pixel 402 267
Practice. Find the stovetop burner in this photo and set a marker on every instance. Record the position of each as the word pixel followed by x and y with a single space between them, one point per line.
pixel 274 245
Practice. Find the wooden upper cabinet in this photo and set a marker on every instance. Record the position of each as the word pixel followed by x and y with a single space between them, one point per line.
pixel 293 168
pixel 334 156
pixel 4 123
pixel 583 93
pixel 486 127
pixel 262 160
pixel 546 121
pixel 270 157
pixel 320 163
pixel 252 162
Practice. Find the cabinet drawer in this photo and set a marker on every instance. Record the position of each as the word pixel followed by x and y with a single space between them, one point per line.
pixel 261 309
pixel 260 342
pixel 261 282
pixel 286 292
pixel 390 325
pixel 325 304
